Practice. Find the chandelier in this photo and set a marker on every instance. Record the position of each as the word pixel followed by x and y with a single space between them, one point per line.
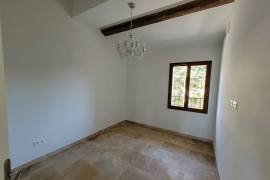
pixel 131 47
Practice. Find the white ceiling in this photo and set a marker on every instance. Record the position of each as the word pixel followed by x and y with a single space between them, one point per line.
pixel 113 11
pixel 208 26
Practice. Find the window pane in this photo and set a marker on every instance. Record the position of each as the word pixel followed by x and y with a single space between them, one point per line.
pixel 178 86
pixel 197 86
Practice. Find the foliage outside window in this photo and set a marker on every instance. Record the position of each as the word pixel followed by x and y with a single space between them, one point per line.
pixel 189 86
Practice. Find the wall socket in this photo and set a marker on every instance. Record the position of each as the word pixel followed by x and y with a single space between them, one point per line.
pixel 38 142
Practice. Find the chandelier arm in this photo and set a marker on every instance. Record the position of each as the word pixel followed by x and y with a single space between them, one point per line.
pixel 138 52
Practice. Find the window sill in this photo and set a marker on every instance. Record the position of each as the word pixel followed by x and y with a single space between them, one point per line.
pixel 203 111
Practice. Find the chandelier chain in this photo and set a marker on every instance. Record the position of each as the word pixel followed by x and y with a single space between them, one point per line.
pixel 131 47
pixel 131 21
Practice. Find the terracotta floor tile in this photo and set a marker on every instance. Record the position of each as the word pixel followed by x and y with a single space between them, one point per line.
pixel 130 152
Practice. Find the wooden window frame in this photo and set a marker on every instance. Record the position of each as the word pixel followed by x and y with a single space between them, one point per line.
pixel 207 86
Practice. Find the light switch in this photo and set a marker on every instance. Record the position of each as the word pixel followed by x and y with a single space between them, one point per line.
pixel 235 104
pixel 231 103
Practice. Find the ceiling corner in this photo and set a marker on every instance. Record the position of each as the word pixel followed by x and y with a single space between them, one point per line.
pixel 80 6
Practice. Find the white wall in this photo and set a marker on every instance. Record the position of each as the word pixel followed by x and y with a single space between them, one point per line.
pixel 242 136
pixel 65 81
pixel 148 90
pixel 3 123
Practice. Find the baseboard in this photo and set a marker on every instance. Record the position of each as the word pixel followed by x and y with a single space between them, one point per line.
pixel 171 132
pixel 87 138
pixel 97 134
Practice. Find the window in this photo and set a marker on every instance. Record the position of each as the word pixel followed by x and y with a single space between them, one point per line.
pixel 189 86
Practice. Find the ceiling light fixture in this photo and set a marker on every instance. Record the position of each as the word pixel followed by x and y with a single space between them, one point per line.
pixel 131 47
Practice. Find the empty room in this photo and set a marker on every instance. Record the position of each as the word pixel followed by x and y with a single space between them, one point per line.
pixel 134 90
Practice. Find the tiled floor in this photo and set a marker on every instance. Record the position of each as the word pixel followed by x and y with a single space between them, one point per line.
pixel 130 152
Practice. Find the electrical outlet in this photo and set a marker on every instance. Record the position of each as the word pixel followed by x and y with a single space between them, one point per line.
pixel 38 142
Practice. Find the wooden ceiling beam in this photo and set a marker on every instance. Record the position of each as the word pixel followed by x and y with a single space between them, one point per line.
pixel 174 12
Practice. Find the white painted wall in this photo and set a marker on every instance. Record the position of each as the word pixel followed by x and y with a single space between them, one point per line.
pixel 148 90
pixel 65 81
pixel 3 123
pixel 242 136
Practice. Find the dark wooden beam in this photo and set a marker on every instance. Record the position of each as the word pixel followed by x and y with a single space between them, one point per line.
pixel 180 10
